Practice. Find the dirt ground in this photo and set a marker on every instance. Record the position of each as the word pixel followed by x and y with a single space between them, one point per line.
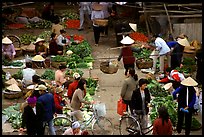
pixel 110 84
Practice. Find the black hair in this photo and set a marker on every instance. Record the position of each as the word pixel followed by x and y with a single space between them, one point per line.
pixel 53 35
pixel 56 20
pixel 41 83
pixel 35 78
pixel 29 65
pixel 169 69
pixel 143 81
pixel 163 113
pixel 133 74
pixel 155 35
pixel 81 83
pixel 62 66
pixel 62 31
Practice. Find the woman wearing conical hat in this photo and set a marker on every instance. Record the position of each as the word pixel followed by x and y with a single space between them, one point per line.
pixel 8 50
pixel 186 99
pixel 40 48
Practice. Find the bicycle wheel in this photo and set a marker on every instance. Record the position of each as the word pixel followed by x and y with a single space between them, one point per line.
pixel 102 126
pixel 129 126
pixel 61 124
pixel 16 40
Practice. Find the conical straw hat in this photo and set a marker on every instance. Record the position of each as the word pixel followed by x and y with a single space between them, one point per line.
pixel 97 7
pixel 13 87
pixel 127 40
pixel 189 82
pixel 133 26
pixel 167 86
pixel 6 40
pixel 38 58
pixel 38 40
pixel 11 81
pixel 184 42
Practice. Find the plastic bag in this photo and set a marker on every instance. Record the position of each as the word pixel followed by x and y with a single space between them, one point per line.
pixel 121 107
pixel 101 109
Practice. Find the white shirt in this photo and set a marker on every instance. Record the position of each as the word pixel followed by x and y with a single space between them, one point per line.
pixel 34 109
pixel 27 75
pixel 161 46
pixel 59 40
pixel 97 15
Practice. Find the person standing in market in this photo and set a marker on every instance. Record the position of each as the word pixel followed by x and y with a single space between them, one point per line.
pixel 186 99
pixel 199 63
pixel 8 49
pixel 28 73
pixel 97 13
pixel 62 41
pixel 59 101
pixel 129 85
pixel 162 125
pixel 47 99
pixel 56 26
pixel 72 87
pixel 127 53
pixel 177 48
pixel 85 13
pixel 78 99
pixel 32 117
pixel 162 50
pixel 53 47
pixel 106 9
pixel 140 101
pixel 60 79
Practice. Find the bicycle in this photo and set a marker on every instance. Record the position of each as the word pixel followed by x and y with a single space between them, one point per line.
pixel 100 125
pixel 130 124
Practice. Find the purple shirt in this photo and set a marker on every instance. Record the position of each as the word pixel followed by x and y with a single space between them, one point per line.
pixel 8 50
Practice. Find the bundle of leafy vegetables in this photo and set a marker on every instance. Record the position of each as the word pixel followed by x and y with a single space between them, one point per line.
pixel 143 54
pixel 59 58
pixel 195 124
pixel 43 24
pixel 18 75
pixel 166 101
pixel 91 86
pixel 156 89
pixel 15 64
pixel 72 71
pixel 14 115
pixel 27 38
pixel 48 74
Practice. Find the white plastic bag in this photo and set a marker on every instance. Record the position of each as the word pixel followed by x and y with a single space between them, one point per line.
pixel 100 108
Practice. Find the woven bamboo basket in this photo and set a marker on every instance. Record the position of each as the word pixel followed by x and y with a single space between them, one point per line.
pixel 108 69
pixel 101 22
pixel 57 64
pixel 144 64
pixel 12 94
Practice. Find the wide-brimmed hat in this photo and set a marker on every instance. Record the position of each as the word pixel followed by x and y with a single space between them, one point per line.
pixel 38 58
pixel 59 90
pixel 189 82
pixel 183 42
pixel 11 81
pixel 41 87
pixel 13 87
pixel 133 26
pixel 39 40
pixel 97 6
pixel 6 40
pixel 127 40
pixel 76 75
pixel 167 86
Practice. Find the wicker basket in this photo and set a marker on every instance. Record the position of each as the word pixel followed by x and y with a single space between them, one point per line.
pixel 57 64
pixel 12 95
pixel 106 68
pixel 101 22
pixel 144 64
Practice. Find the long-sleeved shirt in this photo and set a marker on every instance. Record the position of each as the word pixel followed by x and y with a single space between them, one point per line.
pixel 161 46
pixel 174 75
pixel 97 15
pixel 186 98
pixel 56 28
pixel 159 129
pixel 59 40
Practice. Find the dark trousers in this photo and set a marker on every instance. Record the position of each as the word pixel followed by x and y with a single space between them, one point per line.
pixel 97 31
pixel 127 66
pixel 188 119
pixel 128 103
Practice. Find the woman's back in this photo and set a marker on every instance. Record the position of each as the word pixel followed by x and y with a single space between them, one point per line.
pixel 162 129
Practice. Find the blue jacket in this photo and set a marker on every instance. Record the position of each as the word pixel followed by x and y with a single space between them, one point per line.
pixel 47 101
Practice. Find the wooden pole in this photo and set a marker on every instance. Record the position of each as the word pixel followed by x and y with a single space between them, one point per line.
pixel 180 16
pixel 170 27
pixel 145 14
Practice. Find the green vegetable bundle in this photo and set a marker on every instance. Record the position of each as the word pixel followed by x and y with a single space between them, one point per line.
pixel 48 74
pixel 44 24
pixel 26 39
pixel 18 75
pixel 145 54
pixel 59 58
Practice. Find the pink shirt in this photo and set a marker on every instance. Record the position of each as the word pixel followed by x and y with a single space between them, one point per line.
pixel 59 77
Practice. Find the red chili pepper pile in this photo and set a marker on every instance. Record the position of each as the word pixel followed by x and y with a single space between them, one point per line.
pixel 73 24
pixel 16 26
pixel 76 37
pixel 138 37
